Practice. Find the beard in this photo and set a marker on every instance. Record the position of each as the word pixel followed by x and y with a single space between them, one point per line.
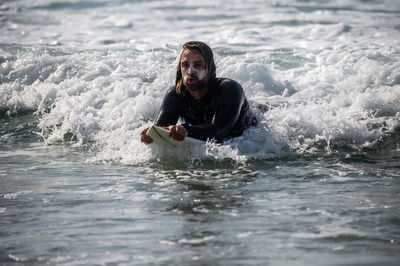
pixel 199 85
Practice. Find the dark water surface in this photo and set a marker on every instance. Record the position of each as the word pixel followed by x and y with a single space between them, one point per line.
pixel 57 209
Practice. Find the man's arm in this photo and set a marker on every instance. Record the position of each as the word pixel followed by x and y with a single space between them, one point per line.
pixel 170 109
pixel 229 103
pixel 167 116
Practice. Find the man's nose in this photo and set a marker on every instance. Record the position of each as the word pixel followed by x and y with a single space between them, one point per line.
pixel 191 70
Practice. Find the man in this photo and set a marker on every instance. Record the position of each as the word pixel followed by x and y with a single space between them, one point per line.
pixel 211 107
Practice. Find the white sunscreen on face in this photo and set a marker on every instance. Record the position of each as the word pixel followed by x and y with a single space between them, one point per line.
pixel 191 69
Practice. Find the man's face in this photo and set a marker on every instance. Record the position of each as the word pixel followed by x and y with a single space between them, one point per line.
pixel 193 68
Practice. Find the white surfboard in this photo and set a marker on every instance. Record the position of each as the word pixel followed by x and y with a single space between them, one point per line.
pixel 161 137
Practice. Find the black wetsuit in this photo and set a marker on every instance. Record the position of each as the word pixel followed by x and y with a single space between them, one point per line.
pixel 222 113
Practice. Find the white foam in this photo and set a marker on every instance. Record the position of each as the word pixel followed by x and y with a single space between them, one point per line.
pixel 328 78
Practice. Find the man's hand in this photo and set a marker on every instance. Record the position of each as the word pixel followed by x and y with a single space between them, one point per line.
pixel 177 132
pixel 144 138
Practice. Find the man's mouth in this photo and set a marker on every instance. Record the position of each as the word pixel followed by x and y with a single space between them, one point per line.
pixel 192 80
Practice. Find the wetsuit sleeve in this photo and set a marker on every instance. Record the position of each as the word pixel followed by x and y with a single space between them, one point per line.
pixel 169 111
pixel 230 99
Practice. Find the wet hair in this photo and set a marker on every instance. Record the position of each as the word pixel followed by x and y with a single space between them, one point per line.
pixel 208 56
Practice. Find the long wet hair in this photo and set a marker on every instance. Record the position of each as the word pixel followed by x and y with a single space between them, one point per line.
pixel 208 56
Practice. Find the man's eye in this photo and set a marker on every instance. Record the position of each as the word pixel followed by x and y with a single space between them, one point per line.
pixel 199 66
pixel 184 65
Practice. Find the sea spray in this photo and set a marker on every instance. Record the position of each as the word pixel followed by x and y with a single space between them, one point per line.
pixel 98 101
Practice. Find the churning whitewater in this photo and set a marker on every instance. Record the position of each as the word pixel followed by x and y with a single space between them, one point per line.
pixel 330 80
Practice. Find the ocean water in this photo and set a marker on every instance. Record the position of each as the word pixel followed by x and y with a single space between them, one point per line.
pixel 316 183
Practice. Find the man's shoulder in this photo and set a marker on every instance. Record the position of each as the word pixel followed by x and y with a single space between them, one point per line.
pixel 227 83
pixel 171 95
pixel 171 90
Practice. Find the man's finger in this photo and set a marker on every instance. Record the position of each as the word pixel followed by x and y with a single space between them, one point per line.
pixel 171 131
pixel 144 138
